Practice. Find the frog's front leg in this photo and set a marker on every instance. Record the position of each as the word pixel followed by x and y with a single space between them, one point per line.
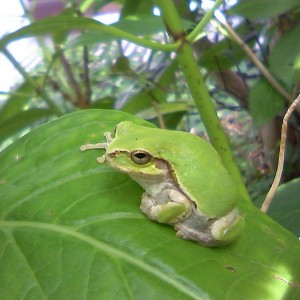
pixel 173 208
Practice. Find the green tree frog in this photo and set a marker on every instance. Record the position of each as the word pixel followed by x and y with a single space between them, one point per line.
pixel 186 185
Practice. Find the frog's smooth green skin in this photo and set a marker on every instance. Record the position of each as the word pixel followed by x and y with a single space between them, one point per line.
pixel 185 182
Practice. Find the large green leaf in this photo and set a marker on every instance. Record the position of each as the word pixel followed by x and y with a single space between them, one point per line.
pixel 71 229
pixel 60 25
pixel 264 102
pixel 263 9
pixel 136 8
pixel 222 56
pixel 285 57
pixel 63 24
pixel 140 27
pixel 285 207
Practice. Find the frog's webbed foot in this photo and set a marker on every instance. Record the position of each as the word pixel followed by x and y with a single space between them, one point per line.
pixel 188 233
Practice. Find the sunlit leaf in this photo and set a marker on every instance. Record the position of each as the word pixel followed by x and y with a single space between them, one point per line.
pixel 71 228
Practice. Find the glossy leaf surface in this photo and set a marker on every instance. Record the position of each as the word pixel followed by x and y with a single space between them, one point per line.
pixel 71 229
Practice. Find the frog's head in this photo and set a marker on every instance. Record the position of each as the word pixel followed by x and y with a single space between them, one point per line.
pixel 129 151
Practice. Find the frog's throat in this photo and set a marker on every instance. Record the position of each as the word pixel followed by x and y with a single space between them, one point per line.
pixel 167 175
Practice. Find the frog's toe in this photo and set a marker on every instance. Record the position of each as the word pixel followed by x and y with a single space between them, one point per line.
pixel 203 238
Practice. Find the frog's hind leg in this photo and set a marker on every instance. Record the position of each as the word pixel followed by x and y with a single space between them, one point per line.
pixel 196 228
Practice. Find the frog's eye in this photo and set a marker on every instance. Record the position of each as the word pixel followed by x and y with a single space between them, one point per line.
pixel 140 157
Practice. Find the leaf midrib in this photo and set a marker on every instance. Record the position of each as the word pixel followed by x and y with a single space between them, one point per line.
pixel 109 250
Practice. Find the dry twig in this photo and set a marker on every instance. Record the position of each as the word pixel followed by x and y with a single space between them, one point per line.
pixel 278 174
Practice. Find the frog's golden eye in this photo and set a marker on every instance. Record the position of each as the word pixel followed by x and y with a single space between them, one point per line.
pixel 140 157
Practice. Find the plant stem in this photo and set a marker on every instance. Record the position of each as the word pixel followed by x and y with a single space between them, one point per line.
pixel 199 91
pixel 66 24
pixel 75 86
pixel 192 37
pixel 87 81
pixel 265 206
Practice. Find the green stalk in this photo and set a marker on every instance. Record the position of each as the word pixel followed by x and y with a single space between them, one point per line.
pixel 65 24
pixel 199 28
pixel 199 91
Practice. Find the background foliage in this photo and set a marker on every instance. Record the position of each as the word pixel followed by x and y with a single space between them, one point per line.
pixel 81 67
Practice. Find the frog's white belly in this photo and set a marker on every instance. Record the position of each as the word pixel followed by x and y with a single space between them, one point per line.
pixel 156 186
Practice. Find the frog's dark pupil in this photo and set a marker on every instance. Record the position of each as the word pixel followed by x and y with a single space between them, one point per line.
pixel 140 155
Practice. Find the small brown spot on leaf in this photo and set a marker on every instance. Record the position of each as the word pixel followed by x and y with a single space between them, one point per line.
pixel 291 283
pixel 230 268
